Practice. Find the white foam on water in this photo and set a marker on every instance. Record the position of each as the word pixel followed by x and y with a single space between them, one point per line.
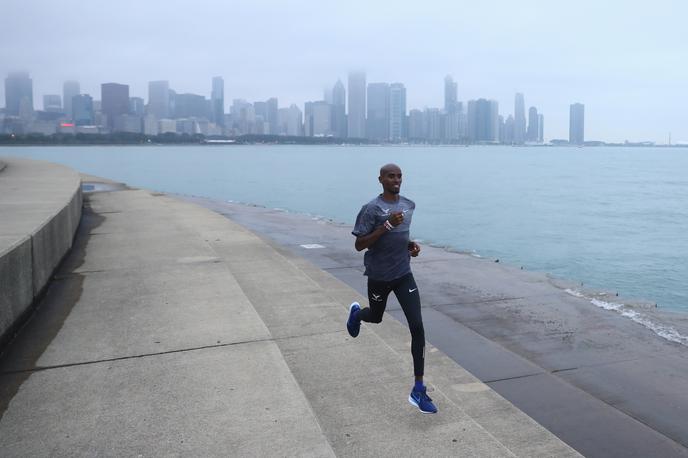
pixel 665 332
pixel 573 292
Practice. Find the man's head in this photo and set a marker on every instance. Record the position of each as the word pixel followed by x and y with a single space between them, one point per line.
pixel 390 178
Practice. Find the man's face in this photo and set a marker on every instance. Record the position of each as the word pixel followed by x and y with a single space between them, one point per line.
pixel 391 180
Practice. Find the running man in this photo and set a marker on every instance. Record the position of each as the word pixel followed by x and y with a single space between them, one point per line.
pixel 382 226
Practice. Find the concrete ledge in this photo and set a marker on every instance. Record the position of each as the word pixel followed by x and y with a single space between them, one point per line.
pixel 40 205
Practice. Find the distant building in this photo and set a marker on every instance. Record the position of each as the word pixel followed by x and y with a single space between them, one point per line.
pixel 52 103
pixel 114 101
pixel 519 119
pixel 19 94
pixel 188 126
pixel 433 124
pixel 397 112
pixel 136 106
pixel 272 107
pixel 295 121
pixel 150 125
pixel 533 128
pixel 260 109
pixel 82 110
pixel 416 125
pixel 338 101
pixel 43 127
pixel 128 123
pixel 357 105
pixel 217 101
pixel 450 94
pixel 506 132
pixel 577 124
pixel 282 121
pixel 377 122
pixel 167 126
pixel 541 129
pixel 483 121
pixel 243 117
pixel 317 118
pixel 159 99
pixel 70 89
pixel 190 106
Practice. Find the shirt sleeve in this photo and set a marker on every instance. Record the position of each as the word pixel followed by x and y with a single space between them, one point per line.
pixel 365 222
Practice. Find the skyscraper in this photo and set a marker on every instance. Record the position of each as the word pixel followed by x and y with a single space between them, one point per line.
pixel 416 125
pixel 191 106
pixel 397 112
pixel 452 111
pixel 533 129
pixel 136 106
pixel 18 93
pixel 338 102
pixel 541 129
pixel 317 118
pixel 506 135
pixel 70 89
pixel 450 94
pixel 82 110
pixel 295 121
pixel 217 101
pixel 377 123
pixel 159 99
pixel 519 119
pixel 483 121
pixel 433 124
pixel 272 108
pixel 357 105
pixel 577 124
pixel 114 101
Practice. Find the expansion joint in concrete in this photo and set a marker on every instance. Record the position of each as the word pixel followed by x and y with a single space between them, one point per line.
pixel 516 377
pixel 143 355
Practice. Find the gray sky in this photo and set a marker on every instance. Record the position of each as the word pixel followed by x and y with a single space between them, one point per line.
pixel 625 60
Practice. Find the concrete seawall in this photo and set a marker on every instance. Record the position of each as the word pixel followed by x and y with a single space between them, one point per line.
pixel 40 209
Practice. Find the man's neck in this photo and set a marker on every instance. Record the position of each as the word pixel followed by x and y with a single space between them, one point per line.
pixel 389 197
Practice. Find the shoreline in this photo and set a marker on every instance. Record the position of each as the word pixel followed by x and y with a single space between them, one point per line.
pixel 667 323
pixel 573 367
pixel 588 370
pixel 338 145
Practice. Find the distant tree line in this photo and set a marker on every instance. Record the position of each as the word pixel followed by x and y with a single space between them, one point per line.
pixel 126 138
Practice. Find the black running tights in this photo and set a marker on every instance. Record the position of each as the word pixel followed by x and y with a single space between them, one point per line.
pixel 406 291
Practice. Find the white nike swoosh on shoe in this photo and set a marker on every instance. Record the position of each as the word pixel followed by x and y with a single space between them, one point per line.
pixel 412 290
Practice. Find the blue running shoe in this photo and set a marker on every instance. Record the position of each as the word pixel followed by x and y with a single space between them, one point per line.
pixel 420 399
pixel 353 325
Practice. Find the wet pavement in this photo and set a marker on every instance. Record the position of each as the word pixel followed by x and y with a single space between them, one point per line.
pixel 604 384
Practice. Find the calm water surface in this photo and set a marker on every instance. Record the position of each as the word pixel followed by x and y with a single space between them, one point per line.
pixel 614 218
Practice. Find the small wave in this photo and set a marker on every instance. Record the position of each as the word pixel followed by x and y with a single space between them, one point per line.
pixel 574 292
pixel 666 332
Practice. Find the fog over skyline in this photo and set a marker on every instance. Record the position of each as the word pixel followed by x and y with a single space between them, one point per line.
pixel 625 60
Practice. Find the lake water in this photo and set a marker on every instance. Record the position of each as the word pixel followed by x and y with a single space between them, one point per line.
pixel 613 218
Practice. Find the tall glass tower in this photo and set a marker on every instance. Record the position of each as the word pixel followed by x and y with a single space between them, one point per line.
pixel 357 105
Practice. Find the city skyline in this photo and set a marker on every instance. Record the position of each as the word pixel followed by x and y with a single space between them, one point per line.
pixel 621 59
pixel 386 119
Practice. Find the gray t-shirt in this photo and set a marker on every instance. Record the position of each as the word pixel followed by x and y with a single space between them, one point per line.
pixel 388 258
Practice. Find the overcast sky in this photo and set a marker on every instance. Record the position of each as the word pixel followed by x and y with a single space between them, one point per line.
pixel 627 61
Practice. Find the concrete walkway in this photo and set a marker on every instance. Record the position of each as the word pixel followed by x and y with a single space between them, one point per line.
pixel 171 330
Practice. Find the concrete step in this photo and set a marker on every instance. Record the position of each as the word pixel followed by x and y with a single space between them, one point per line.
pixel 358 387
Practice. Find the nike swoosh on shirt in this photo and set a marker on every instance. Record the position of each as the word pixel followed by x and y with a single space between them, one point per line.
pixel 412 290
